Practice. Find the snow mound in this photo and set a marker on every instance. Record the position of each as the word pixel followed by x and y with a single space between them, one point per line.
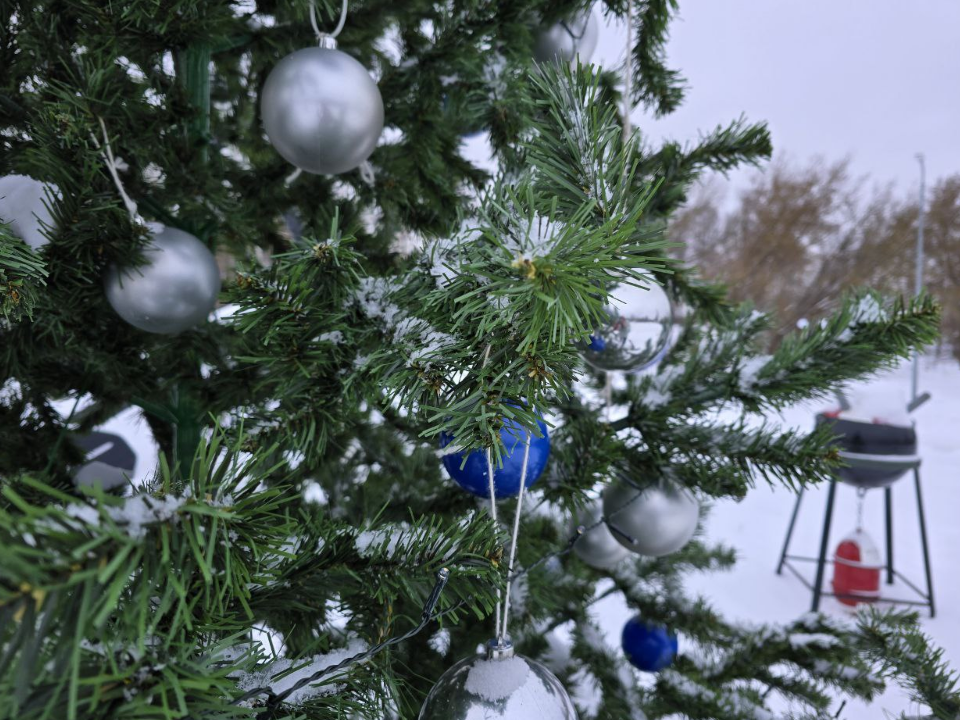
pixel 495 680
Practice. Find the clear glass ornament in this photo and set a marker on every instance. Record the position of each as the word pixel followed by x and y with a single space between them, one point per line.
pixel 498 686
pixel 636 331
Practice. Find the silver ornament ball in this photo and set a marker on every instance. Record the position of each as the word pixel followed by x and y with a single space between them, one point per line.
pixel 597 547
pixel 322 111
pixel 658 520
pixel 636 330
pixel 498 686
pixel 24 207
pixel 568 38
pixel 175 290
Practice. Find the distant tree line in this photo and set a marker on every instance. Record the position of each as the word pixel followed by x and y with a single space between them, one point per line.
pixel 798 236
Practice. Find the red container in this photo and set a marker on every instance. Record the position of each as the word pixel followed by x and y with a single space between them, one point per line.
pixel 856 569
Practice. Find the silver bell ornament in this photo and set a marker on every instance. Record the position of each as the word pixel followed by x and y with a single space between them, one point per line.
pixel 24 207
pixel 656 521
pixel 498 686
pixel 635 332
pixel 597 546
pixel 175 290
pixel 321 110
pixel 567 39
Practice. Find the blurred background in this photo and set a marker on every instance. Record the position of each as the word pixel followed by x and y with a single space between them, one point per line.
pixel 852 92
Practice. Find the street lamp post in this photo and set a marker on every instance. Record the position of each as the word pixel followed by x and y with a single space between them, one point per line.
pixel 918 277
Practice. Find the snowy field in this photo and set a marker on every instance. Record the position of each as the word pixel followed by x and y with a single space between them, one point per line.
pixel 756 527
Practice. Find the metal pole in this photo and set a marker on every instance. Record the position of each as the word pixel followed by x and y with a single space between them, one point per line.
pixel 918 279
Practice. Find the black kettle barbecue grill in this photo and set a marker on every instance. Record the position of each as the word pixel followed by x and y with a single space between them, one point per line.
pixel 876 455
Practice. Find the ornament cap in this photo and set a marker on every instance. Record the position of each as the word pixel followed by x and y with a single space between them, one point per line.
pixel 501 649
pixel 327 42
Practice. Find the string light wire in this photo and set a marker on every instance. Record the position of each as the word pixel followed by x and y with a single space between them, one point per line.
pixel 428 615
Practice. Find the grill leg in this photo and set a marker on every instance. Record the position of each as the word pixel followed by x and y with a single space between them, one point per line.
pixel 821 560
pixel 786 540
pixel 923 540
pixel 888 500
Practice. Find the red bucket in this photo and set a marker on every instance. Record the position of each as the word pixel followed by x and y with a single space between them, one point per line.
pixel 856 569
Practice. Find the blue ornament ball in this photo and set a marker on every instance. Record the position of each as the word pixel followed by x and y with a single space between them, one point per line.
pixel 597 343
pixel 648 647
pixel 472 475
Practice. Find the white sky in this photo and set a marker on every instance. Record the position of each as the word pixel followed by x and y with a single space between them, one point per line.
pixel 876 80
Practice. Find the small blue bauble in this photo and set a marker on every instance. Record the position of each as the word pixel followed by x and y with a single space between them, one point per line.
pixel 472 476
pixel 648 647
pixel 597 343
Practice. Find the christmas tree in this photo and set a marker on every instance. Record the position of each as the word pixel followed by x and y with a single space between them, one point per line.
pixel 400 317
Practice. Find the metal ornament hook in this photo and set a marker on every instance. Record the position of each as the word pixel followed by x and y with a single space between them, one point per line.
pixel 861 495
pixel 322 37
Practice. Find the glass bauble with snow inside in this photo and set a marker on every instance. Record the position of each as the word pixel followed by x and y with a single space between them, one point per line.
pixel 25 208
pixel 648 647
pixel 174 290
pixel 499 685
pixel 596 546
pixel 321 110
pixel 635 330
pixel 472 475
pixel 654 521
pixel 566 40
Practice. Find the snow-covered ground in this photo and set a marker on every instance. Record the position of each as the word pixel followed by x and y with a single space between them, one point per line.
pixel 752 592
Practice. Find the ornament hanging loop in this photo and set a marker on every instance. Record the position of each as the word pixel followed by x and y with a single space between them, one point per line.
pixel 502 635
pixel 327 40
pixel 628 76
pixel 106 152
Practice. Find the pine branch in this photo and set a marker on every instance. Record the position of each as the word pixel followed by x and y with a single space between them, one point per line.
pixel 656 86
pixel 894 642
pixel 22 277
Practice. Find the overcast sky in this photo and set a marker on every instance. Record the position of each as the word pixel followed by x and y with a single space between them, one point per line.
pixel 878 80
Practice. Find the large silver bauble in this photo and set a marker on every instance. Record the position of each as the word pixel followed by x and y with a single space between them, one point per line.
pixel 23 206
pixel 636 331
pixel 567 39
pixel 658 520
pixel 498 686
pixel 597 547
pixel 322 111
pixel 176 288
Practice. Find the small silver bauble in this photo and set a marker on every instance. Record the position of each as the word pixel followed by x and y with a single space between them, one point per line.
pixel 597 547
pixel 567 39
pixel 658 520
pixel 24 207
pixel 498 686
pixel 636 331
pixel 176 288
pixel 321 110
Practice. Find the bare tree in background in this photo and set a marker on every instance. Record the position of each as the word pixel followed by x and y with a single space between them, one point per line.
pixel 798 237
